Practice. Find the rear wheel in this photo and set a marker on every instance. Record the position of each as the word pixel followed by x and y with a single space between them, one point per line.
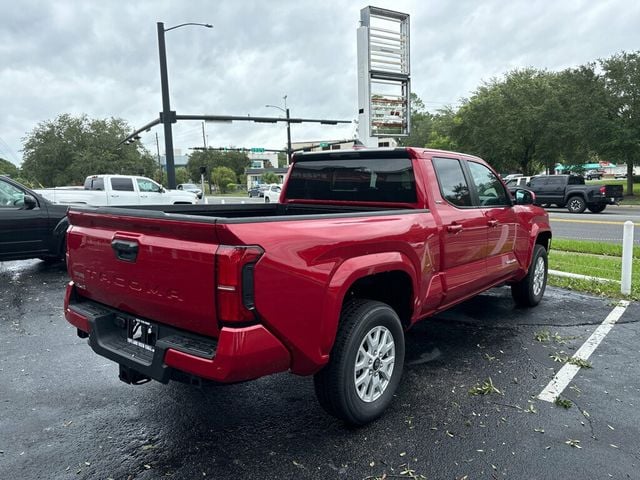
pixel 597 208
pixel 366 362
pixel 576 205
pixel 266 200
pixel 529 291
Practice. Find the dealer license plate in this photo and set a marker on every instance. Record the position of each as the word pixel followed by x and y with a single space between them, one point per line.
pixel 142 333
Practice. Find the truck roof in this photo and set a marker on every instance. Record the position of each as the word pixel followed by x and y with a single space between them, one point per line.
pixel 397 152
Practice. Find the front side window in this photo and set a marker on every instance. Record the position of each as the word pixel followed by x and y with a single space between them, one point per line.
pixel 10 196
pixel 453 185
pixel 122 184
pixel 146 185
pixel 353 179
pixel 490 190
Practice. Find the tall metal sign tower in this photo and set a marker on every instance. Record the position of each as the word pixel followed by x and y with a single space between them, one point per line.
pixel 384 88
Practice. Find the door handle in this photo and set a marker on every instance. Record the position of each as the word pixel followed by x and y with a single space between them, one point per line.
pixel 126 250
pixel 454 228
pixel 493 223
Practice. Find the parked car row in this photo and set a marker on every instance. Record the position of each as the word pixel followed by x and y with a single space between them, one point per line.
pixel 568 191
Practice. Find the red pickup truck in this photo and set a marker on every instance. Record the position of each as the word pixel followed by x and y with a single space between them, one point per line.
pixel 362 245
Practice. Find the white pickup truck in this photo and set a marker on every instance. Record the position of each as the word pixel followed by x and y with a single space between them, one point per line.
pixel 102 190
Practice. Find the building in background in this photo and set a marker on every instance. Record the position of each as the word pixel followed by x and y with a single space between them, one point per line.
pixel 179 159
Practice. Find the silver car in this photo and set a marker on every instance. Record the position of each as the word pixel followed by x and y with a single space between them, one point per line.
pixel 191 187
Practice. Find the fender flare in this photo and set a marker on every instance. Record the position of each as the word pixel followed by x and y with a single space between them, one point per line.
pixel 345 275
pixel 536 230
pixel 59 237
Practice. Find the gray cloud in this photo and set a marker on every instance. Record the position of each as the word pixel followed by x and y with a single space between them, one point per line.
pixel 100 58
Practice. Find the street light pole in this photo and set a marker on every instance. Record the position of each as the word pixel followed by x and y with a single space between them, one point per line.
pixel 288 138
pixel 286 113
pixel 167 117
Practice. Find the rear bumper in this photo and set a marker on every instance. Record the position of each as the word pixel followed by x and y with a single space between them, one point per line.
pixel 238 354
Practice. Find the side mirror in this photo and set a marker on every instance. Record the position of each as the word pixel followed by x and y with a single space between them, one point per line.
pixel 29 202
pixel 524 197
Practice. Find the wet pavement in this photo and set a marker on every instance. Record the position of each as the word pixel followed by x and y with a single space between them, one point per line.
pixel 64 414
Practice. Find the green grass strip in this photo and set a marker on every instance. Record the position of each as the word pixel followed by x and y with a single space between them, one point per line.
pixel 595 248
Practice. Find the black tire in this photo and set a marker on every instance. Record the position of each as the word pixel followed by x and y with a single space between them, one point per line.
pixel 335 384
pixel 529 291
pixel 576 205
pixel 266 200
pixel 597 208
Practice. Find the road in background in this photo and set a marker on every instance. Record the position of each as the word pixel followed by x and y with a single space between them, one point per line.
pixel 601 227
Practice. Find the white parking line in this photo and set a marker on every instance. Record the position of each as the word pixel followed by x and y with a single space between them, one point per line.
pixel 568 371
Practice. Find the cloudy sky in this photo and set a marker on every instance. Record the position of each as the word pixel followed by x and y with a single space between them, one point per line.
pixel 101 58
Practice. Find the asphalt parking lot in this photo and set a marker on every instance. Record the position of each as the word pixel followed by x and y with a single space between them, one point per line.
pixel 64 414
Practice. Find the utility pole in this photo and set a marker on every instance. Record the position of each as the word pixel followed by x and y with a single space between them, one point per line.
pixel 204 138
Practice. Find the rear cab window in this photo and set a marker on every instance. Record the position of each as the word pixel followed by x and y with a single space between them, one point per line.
pixel 94 183
pixel 354 178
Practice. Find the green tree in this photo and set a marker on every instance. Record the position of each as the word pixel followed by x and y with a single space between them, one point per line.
pixel 222 177
pixel 269 177
pixel 622 80
pixel 421 125
pixel 508 122
pixel 67 149
pixel 443 124
pixel 580 123
pixel 282 160
pixel 236 161
pixel 182 175
pixel 8 168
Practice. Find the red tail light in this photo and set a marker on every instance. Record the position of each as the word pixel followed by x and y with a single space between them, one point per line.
pixel 234 283
pixel 603 190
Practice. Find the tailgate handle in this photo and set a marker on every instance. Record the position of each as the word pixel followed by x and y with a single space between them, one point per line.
pixel 125 250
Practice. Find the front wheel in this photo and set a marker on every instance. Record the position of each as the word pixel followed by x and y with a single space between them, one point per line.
pixel 597 208
pixel 365 366
pixel 576 205
pixel 529 291
pixel 266 200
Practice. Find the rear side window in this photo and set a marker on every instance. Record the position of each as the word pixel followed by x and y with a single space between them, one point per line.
pixel 122 184
pixel 576 180
pixel 354 179
pixel 453 185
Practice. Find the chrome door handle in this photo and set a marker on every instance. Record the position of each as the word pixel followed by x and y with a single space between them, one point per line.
pixel 454 228
pixel 493 223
